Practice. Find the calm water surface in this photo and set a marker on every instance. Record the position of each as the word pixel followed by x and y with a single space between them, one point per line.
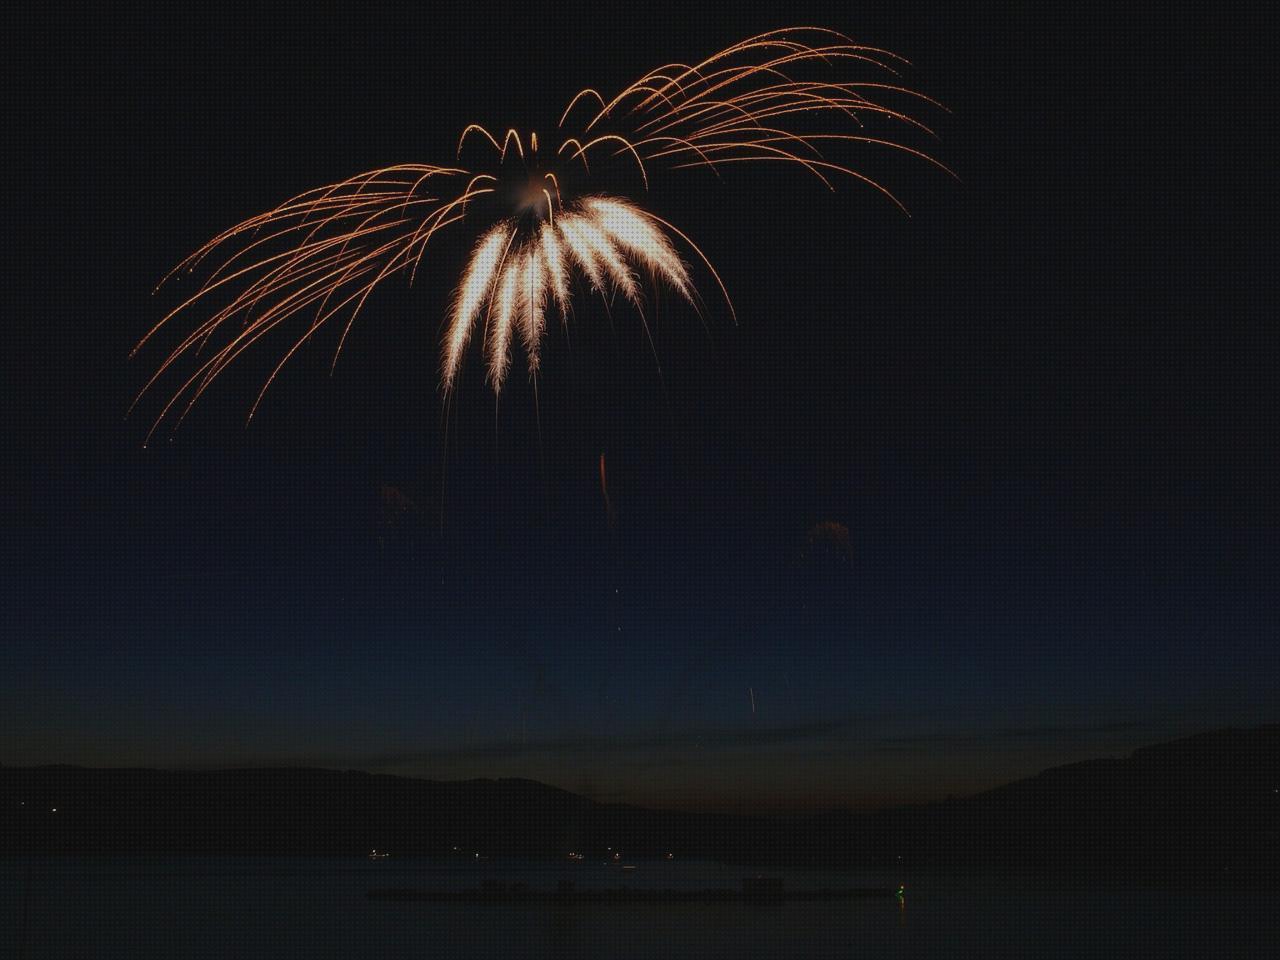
pixel 317 908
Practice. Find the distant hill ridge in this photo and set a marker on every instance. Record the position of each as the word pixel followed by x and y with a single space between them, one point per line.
pixel 1208 805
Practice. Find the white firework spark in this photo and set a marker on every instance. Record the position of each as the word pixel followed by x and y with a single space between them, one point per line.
pixel 473 291
pixel 606 238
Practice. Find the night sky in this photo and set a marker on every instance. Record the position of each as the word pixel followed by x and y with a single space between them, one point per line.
pixel 1043 407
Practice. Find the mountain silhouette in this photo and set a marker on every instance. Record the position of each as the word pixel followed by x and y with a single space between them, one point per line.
pixel 1207 807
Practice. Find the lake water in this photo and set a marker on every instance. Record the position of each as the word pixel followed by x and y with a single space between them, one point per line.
pixel 177 908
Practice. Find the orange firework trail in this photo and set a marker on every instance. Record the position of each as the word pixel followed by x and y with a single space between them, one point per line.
pixel 317 257
pixel 604 489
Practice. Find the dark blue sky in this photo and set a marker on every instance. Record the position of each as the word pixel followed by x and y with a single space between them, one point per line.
pixel 1043 407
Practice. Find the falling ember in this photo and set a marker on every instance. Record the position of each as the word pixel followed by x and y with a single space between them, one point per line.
pixel 533 302
pixel 502 312
pixel 604 490
pixel 581 251
pixel 472 294
pixel 780 97
pixel 553 261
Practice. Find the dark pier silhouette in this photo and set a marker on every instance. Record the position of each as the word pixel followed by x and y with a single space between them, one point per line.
pixel 752 890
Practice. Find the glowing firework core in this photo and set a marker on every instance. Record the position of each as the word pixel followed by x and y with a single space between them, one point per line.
pixel 608 240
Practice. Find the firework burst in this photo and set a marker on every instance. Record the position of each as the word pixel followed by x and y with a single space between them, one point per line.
pixel 317 257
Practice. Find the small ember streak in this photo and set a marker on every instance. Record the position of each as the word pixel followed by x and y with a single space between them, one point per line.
pixel 604 489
